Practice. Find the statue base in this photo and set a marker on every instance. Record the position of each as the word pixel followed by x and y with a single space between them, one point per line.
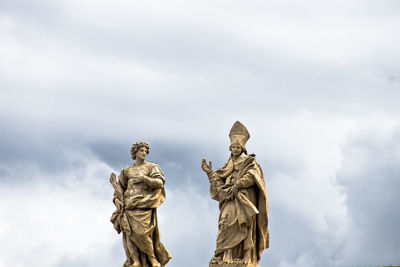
pixel 215 263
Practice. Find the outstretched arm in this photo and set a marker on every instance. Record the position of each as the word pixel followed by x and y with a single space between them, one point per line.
pixel 152 182
pixel 215 181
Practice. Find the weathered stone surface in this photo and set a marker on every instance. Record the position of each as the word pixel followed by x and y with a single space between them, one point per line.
pixel 239 187
pixel 232 264
pixel 139 190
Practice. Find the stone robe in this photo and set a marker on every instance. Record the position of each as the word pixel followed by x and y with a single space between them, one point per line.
pixel 138 219
pixel 243 220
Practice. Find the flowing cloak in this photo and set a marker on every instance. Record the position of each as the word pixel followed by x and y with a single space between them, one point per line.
pixel 245 212
pixel 139 220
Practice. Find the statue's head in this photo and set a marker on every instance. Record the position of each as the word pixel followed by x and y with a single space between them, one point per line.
pixel 237 149
pixel 139 147
pixel 238 136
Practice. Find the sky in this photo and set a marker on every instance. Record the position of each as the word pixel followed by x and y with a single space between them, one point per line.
pixel 317 84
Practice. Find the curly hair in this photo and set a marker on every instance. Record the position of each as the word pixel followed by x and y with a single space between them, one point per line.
pixel 136 146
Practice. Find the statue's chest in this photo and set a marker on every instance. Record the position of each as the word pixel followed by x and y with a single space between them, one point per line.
pixel 233 176
pixel 135 189
pixel 137 171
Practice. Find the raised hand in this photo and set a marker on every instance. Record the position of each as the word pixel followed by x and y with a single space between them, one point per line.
pixel 206 168
pixel 138 179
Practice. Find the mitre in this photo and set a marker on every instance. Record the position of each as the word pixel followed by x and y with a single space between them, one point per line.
pixel 239 134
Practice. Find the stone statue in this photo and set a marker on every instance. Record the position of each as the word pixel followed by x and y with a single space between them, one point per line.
pixel 239 187
pixel 138 192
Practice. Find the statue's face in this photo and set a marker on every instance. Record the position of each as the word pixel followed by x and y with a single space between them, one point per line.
pixel 141 153
pixel 236 150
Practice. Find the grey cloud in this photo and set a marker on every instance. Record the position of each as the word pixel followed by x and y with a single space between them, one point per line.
pixel 290 239
pixel 179 161
pixel 293 240
pixel 370 175
pixel 38 13
pixel 115 154
pixel 89 78
pixel 24 143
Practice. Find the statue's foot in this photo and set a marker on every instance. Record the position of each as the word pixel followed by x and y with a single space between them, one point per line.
pixel 228 256
pixel 216 259
pixel 247 257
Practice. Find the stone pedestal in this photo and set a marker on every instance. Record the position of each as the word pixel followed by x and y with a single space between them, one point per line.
pixel 231 264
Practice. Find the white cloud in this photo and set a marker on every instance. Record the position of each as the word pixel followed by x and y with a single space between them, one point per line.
pixel 45 221
pixel 63 219
pixel 305 77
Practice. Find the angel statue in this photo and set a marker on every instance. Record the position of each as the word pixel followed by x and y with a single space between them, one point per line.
pixel 239 187
pixel 139 190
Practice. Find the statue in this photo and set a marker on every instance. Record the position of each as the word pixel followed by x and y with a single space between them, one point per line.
pixel 239 187
pixel 138 192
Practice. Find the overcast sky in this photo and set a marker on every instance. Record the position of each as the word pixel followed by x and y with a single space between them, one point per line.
pixel 317 83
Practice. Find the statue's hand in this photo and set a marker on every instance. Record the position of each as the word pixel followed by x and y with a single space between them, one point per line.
pixel 137 179
pixel 232 192
pixel 127 203
pixel 206 168
pixel 235 190
pixel 229 194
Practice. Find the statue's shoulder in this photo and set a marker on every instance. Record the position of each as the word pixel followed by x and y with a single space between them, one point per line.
pixel 153 166
pixel 124 170
pixel 251 158
pixel 246 158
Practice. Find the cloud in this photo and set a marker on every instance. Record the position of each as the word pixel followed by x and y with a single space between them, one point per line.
pixel 310 219
pixel 370 176
pixel 317 210
pixel 46 222
pixel 62 219
pixel 189 226
pixel 127 59
pixel 315 83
